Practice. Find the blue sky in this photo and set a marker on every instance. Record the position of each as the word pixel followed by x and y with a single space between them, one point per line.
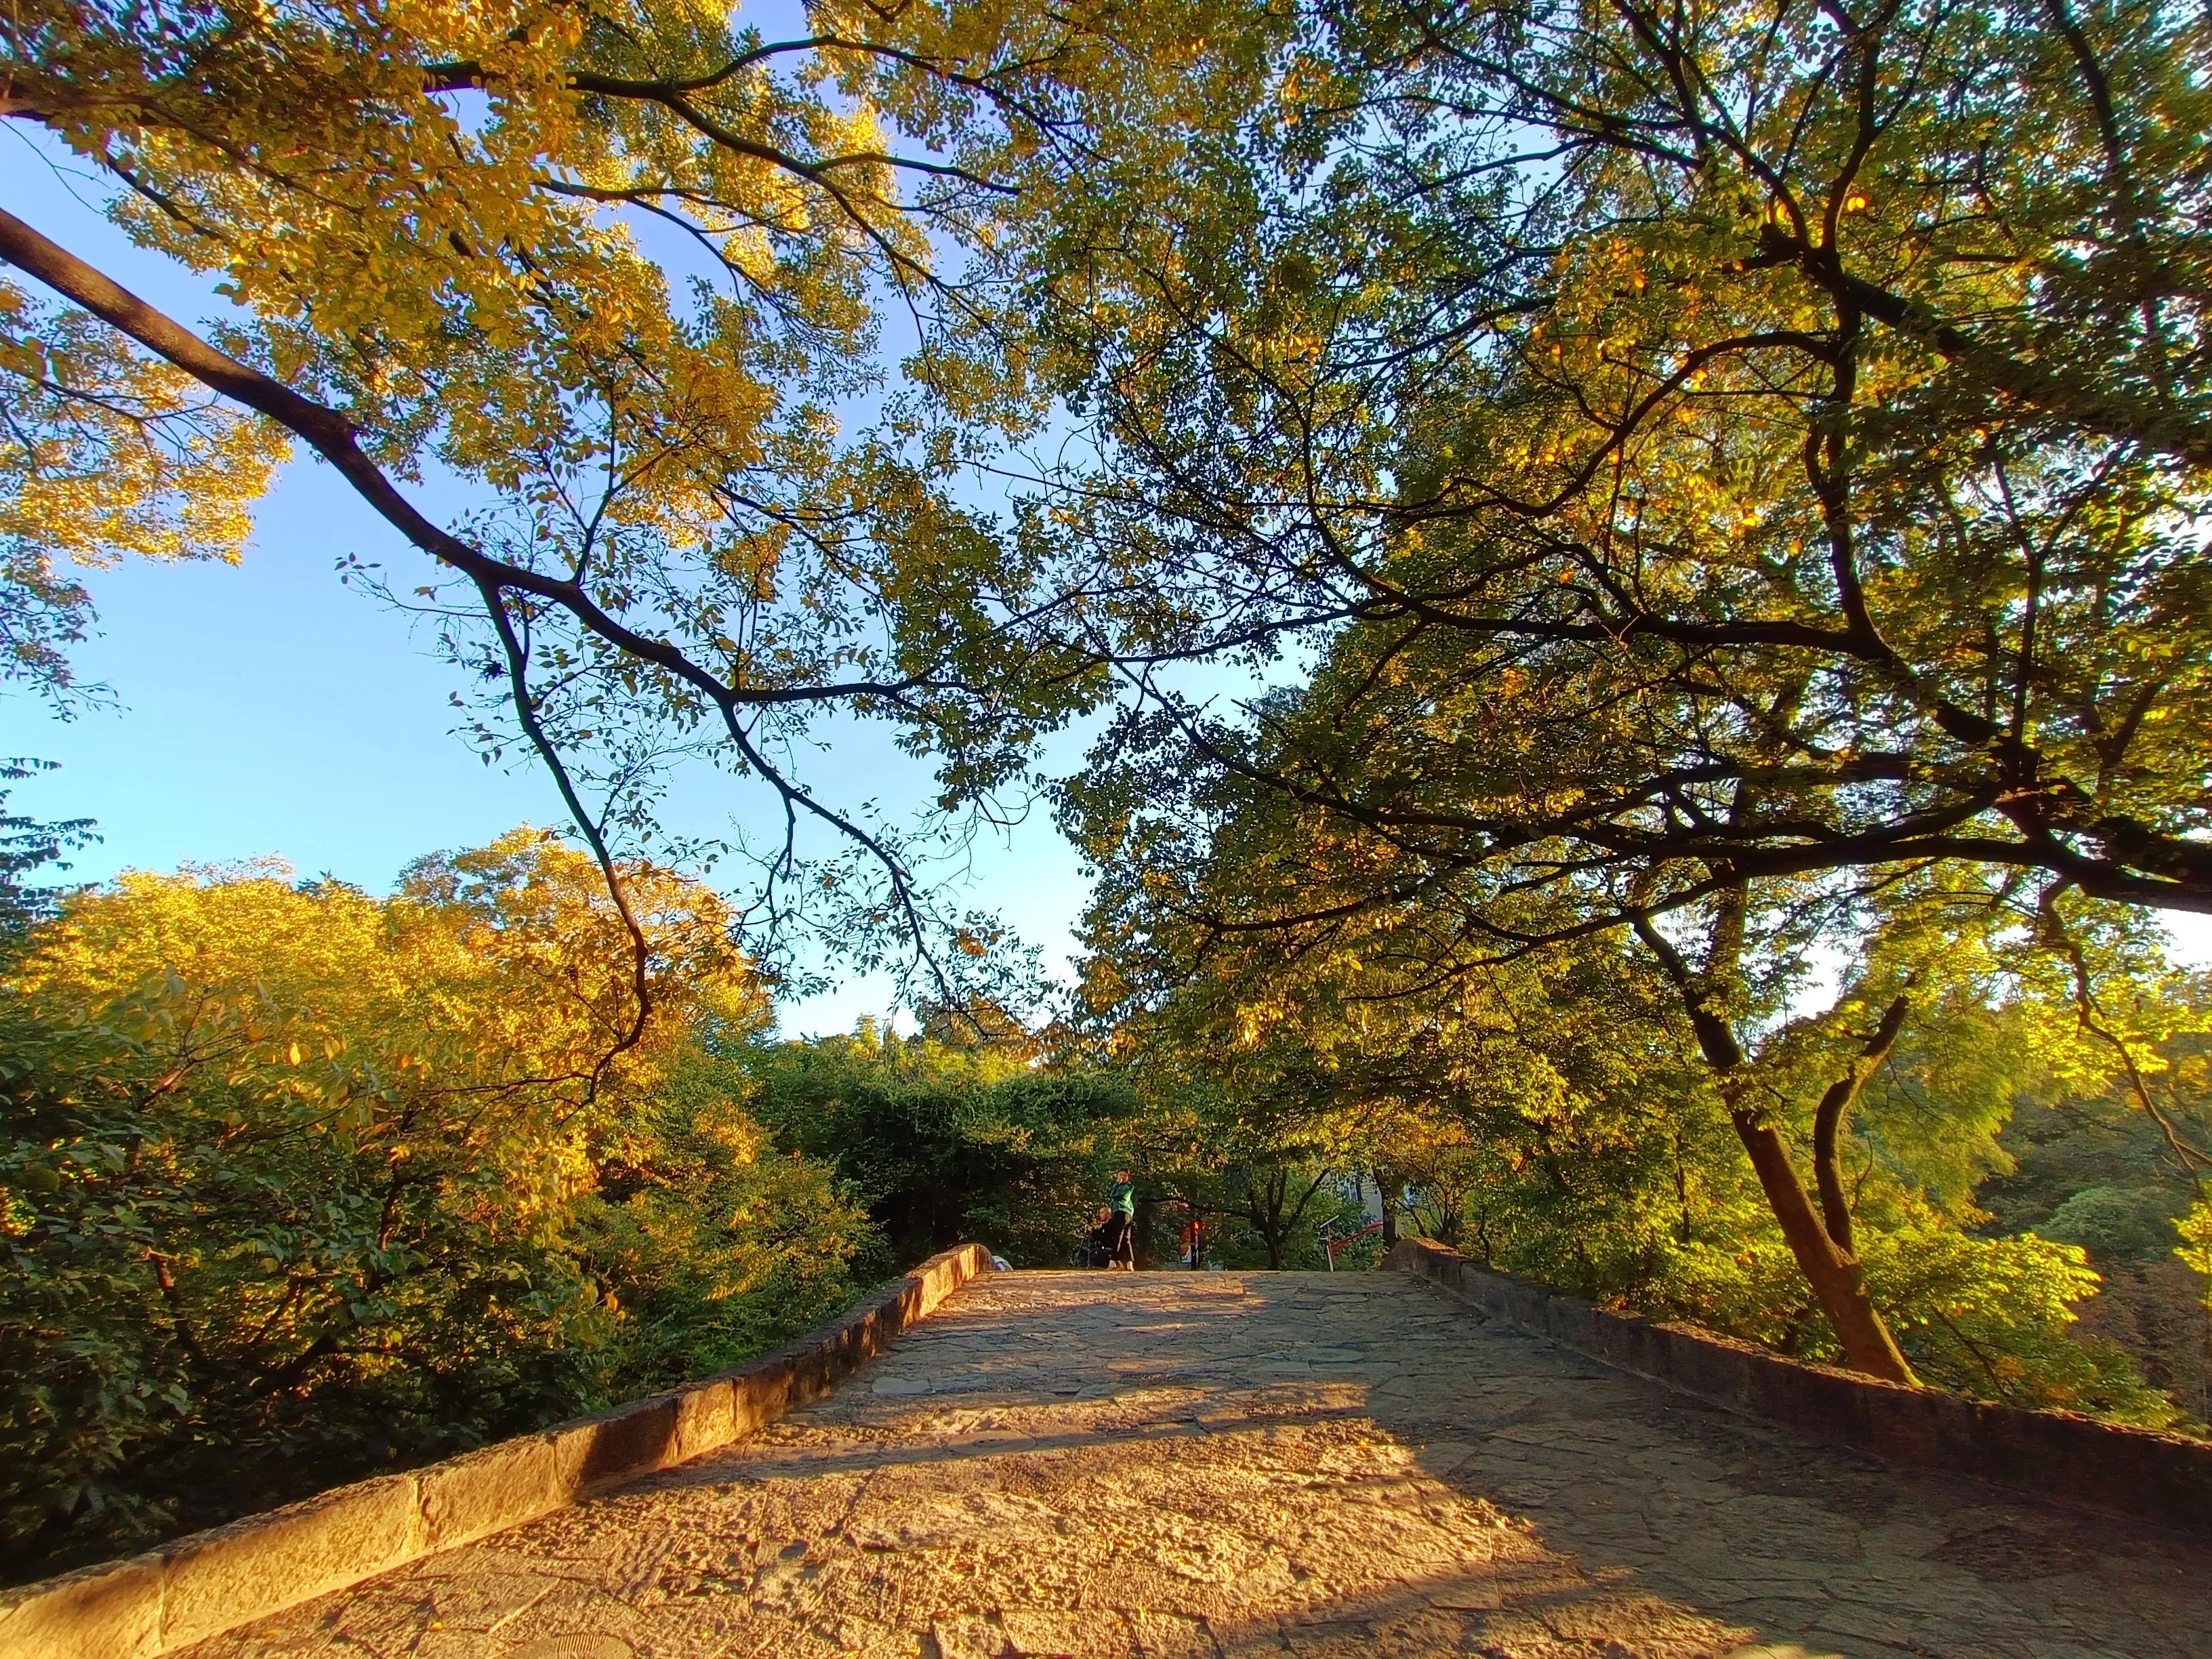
pixel 265 709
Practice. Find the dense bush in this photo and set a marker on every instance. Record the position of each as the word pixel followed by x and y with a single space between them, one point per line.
pixel 302 1184
pixel 949 1135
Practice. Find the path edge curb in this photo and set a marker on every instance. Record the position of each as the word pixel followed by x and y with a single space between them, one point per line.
pixel 2056 1456
pixel 210 1582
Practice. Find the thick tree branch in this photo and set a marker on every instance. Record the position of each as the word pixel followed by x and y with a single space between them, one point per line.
pixel 1835 1106
pixel 329 433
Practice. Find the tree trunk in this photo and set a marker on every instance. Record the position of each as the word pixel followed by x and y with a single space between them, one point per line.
pixel 1830 1268
pixel 1271 1233
pixel 1828 1123
pixel 1276 1228
pixel 1832 1272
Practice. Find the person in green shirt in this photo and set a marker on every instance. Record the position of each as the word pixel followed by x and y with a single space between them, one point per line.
pixel 1122 1223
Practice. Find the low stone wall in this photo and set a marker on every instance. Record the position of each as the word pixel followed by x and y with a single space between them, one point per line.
pixel 214 1580
pixel 2053 1454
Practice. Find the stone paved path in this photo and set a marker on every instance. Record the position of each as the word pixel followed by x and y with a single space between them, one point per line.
pixel 1217 1466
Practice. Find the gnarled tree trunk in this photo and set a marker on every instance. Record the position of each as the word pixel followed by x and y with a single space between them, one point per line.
pixel 1822 1244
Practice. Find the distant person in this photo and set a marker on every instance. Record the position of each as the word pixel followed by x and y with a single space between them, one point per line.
pixel 1122 1202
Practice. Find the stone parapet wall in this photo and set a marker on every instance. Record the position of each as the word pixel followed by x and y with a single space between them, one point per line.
pixel 2055 1454
pixel 214 1580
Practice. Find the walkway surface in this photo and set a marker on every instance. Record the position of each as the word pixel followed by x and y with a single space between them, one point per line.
pixel 1214 1466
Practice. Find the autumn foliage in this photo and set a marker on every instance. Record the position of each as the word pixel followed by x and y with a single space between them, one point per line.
pixel 302 1184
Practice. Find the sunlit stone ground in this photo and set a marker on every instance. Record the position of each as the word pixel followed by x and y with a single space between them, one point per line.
pixel 1224 1465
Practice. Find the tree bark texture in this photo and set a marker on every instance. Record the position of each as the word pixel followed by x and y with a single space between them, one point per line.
pixel 1833 1272
pixel 1831 1268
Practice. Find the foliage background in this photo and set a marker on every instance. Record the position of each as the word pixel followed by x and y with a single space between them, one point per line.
pixel 302 1184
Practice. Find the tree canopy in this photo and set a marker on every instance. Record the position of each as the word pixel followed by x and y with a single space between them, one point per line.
pixel 633 278
pixel 1752 442
pixel 1730 476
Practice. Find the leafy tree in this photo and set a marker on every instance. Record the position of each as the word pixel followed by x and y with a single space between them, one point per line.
pixel 300 1183
pixel 108 454
pixel 1555 1116
pixel 29 848
pixel 622 276
pixel 1729 470
pixel 1255 1185
pixel 438 224
pixel 719 1244
pixel 1830 465
pixel 2089 1165
pixel 1274 1195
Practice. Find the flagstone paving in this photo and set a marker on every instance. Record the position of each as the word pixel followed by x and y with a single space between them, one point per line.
pixel 1212 1466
